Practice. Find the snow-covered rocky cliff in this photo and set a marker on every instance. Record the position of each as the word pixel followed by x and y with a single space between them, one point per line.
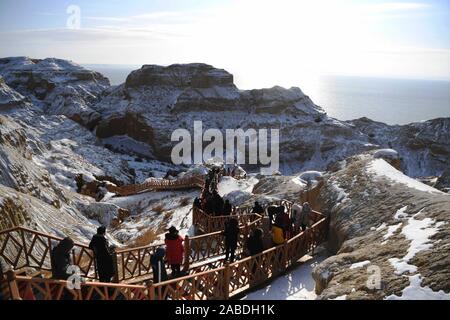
pixel 58 120
pixel 388 234
pixel 140 115
pixel 154 101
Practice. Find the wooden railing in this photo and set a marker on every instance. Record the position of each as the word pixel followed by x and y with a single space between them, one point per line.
pixel 21 247
pixel 211 280
pixel 158 184
pixel 135 262
pixel 26 288
pixel 224 282
pixel 207 223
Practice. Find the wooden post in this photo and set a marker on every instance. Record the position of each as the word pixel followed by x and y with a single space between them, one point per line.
pixel 226 281
pixel 22 234
pixel 116 267
pixel 151 290
pixel 187 253
pixel 13 288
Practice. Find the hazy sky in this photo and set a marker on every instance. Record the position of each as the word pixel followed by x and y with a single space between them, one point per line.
pixel 262 42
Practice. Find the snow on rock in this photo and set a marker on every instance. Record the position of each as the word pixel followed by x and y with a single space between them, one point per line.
pixel 386 154
pixel 10 98
pixel 415 291
pixel 342 196
pixel 359 264
pixel 308 177
pixel 155 211
pixel 21 209
pixel 237 191
pixel 401 229
pixel 401 213
pixel 390 231
pixel 343 297
pixel 65 87
pixel 380 168
pixel 381 227
pixel 311 176
pixel 419 233
pixel 195 171
pixel 104 213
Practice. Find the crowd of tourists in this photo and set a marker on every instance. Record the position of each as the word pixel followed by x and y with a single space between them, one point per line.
pixel 281 224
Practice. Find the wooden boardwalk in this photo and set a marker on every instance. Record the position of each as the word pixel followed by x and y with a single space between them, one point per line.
pixel 158 185
pixel 207 275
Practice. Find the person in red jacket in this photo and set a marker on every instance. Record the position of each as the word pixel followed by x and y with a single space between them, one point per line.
pixel 174 251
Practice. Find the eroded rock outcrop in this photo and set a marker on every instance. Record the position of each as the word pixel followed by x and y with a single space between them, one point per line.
pixel 63 88
pixel 155 101
pixel 383 222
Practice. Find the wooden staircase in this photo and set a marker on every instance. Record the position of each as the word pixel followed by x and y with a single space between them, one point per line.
pixel 207 276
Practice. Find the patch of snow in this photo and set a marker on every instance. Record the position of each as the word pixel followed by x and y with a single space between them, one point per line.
pixel 359 264
pixel 381 227
pixel 342 196
pixel 386 153
pixel 311 176
pixel 401 213
pixel 381 168
pixel 416 292
pixel 343 297
pixel 198 170
pixel 299 181
pixel 419 233
pixel 295 285
pixel 237 191
pixel 390 231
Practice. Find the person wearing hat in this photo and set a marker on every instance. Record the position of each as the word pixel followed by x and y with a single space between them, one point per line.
pixel 102 254
pixel 174 250
pixel 60 259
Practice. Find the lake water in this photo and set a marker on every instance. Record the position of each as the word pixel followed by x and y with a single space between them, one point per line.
pixel 393 101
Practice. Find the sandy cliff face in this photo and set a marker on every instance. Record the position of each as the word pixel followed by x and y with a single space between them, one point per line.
pixel 385 221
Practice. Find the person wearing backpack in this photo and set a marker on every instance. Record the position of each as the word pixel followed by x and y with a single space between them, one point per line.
pixel 158 265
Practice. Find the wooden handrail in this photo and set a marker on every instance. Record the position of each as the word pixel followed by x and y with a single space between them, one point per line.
pixel 158 184
pixel 274 261
pixel 290 251
pixel 30 248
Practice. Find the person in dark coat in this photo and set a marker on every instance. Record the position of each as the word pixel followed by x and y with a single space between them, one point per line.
pixel 60 258
pixel 272 212
pixel 231 234
pixel 255 242
pixel 175 250
pixel 209 204
pixel 197 203
pixel 217 204
pixel 103 257
pixel 227 208
pixel 158 265
pixel 257 208
pixel 306 212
